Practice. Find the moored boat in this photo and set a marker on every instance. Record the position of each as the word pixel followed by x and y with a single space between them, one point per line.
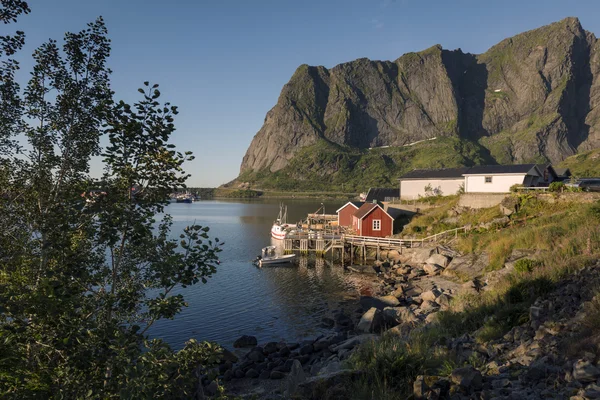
pixel 268 257
pixel 280 226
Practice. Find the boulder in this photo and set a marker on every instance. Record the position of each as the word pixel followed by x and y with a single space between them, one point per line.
pixel 429 306
pixel 211 389
pixel 245 341
pixel 307 349
pixel 398 292
pixel 467 267
pixel 256 356
pixel 468 378
pixel 353 342
pixel 432 269
pixel 271 347
pixel 421 255
pixel 402 330
pixel 252 373
pixel 585 371
pixel 294 379
pixel 277 375
pixel 438 259
pixel 368 302
pixel 398 315
pixel 229 356
pixel 389 301
pixel 431 295
pixel 370 322
pixel 444 301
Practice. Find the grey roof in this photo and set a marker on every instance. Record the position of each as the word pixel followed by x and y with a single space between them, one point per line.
pixel 380 194
pixel 562 172
pixel 500 169
pixel 394 213
pixel 443 173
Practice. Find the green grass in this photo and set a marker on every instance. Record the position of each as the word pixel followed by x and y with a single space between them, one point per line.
pixel 569 232
pixel 586 164
pixel 329 167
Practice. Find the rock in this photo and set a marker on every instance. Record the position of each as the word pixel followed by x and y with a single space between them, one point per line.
pixel 370 322
pixel 284 352
pixel 419 387
pixel 331 368
pixel 467 267
pixel 321 344
pixel 228 375
pixel 585 371
pixel 429 306
pixel 397 315
pixel 271 347
pixel 468 378
pixel 211 389
pixel 401 330
pixel 343 377
pixel 438 259
pixel 389 301
pixel 229 356
pixel 592 392
pixel 245 341
pixel 398 292
pixel 430 295
pixel 327 322
pixel 353 342
pixel 421 255
pixel 265 374
pixel 432 269
pixel 444 301
pixel 252 373
pixel 307 349
pixel 238 373
pixel 277 375
pixel 256 356
pixel 294 379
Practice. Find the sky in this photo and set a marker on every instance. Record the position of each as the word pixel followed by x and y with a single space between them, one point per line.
pixel 224 62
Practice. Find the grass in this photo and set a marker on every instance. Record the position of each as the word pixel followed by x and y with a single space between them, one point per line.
pixel 583 165
pixel 568 231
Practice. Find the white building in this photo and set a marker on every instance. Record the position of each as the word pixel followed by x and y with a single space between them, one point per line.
pixel 477 179
pixel 431 182
pixel 500 178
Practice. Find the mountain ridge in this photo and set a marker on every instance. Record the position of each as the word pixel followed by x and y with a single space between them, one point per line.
pixel 531 97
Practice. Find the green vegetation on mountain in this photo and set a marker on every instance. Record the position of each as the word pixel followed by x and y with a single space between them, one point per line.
pixel 584 164
pixel 327 166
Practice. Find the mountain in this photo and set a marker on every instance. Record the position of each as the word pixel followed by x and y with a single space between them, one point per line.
pixel 530 98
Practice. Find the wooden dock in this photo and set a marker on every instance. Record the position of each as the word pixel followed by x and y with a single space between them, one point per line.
pixel 322 242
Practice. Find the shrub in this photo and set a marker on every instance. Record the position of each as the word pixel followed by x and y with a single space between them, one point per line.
pixel 515 188
pixel 527 265
pixel 556 187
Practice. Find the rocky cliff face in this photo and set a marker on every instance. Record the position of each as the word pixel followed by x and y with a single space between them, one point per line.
pixel 532 97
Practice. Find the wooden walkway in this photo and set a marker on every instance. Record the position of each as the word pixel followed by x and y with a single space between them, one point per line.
pixel 323 242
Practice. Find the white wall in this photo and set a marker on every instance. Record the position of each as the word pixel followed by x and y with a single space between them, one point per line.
pixel 412 189
pixel 500 183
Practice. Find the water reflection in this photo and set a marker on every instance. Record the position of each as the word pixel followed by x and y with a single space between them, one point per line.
pixel 273 303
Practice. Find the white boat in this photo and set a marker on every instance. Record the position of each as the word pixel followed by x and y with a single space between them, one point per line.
pixel 280 226
pixel 268 257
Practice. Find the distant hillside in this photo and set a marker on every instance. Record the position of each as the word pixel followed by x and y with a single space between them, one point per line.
pixel 531 98
pixel 584 165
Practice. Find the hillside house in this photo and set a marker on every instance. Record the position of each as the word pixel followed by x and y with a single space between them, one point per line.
pixel 346 212
pixel 382 194
pixel 477 179
pixel 372 220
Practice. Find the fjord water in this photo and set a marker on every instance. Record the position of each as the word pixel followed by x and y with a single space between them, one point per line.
pixel 272 303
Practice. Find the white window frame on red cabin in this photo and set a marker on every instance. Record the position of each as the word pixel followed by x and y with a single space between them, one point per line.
pixel 378 228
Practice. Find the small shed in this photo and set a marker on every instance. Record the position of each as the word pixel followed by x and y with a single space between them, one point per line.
pixel 562 174
pixel 346 212
pixel 372 220
pixel 382 194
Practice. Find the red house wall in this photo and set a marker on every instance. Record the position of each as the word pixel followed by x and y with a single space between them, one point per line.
pixel 387 228
pixel 345 215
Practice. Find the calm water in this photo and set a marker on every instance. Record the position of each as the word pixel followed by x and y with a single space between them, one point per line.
pixel 272 303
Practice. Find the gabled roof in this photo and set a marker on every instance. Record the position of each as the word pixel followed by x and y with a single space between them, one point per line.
pixel 380 194
pixel 394 213
pixel 549 167
pixel 501 169
pixel 443 173
pixel 355 204
pixel 562 172
pixel 366 209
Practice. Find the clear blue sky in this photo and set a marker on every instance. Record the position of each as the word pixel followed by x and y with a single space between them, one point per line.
pixel 224 62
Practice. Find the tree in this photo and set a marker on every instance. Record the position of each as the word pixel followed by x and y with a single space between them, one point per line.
pixel 86 269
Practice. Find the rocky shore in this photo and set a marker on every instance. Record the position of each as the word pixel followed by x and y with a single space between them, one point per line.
pixel 538 359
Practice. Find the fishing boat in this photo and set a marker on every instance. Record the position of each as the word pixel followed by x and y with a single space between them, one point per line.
pixel 184 198
pixel 268 257
pixel 280 226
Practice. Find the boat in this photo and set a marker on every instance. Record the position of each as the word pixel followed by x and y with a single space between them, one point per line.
pixel 184 198
pixel 280 226
pixel 268 257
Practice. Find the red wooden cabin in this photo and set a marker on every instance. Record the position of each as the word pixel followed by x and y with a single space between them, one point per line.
pixel 346 212
pixel 372 220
